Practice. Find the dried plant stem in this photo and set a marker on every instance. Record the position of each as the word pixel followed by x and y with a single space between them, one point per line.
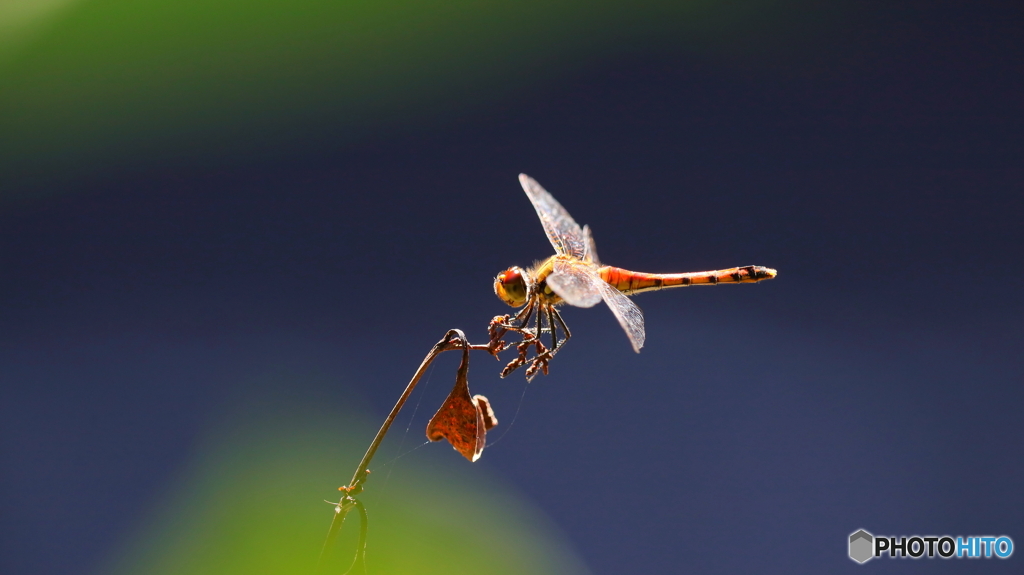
pixel 454 339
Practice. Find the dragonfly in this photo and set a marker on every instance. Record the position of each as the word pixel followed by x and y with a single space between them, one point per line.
pixel 575 276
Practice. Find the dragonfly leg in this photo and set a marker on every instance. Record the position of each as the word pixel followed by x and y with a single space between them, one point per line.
pixel 522 319
pixel 561 322
pixel 551 324
pixel 544 355
pixel 503 324
pixel 531 333
pixel 531 328
pixel 520 324
pixel 540 359
pixel 523 358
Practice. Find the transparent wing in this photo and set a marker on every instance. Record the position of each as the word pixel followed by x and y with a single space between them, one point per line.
pixel 588 237
pixel 579 284
pixel 576 282
pixel 629 315
pixel 565 234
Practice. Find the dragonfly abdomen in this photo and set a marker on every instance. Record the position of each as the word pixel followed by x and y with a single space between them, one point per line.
pixel 630 282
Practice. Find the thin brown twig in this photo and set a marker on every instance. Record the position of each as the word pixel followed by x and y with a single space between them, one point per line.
pixel 454 339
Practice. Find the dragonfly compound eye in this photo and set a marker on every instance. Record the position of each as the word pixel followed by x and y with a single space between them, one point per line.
pixel 510 286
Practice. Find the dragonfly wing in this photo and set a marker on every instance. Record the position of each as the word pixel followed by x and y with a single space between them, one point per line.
pixel 629 315
pixel 579 284
pixel 565 234
pixel 588 238
pixel 576 282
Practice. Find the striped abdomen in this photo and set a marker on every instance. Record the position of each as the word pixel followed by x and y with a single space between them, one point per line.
pixel 629 282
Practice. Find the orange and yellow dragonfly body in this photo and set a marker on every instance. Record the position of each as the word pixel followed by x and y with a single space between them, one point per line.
pixel 575 276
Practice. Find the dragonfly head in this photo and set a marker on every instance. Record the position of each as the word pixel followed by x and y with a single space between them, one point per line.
pixel 511 286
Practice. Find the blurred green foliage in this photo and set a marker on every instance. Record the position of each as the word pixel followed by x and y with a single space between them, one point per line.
pixel 252 502
pixel 90 85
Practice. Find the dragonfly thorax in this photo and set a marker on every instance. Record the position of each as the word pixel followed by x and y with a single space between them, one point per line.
pixel 512 287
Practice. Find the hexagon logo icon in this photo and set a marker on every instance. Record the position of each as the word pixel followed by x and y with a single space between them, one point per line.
pixel 861 543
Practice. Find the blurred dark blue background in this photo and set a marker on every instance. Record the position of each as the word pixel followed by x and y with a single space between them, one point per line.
pixel 870 153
